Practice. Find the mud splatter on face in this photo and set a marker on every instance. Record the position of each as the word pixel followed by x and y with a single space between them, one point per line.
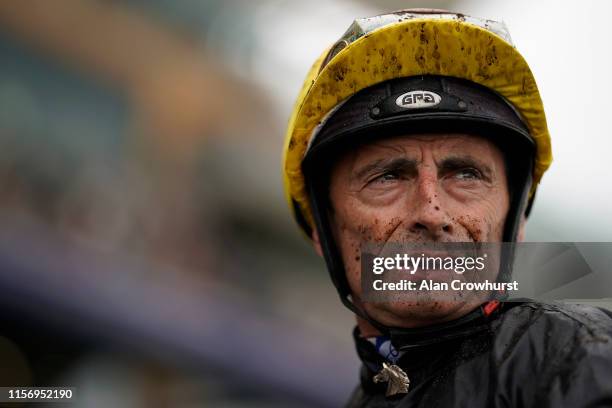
pixel 429 203
pixel 473 226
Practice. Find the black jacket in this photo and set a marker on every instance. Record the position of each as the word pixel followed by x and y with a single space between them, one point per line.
pixel 526 354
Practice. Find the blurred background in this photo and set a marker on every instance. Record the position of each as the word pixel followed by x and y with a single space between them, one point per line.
pixel 147 256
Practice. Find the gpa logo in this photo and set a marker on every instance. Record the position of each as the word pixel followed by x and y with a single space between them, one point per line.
pixel 418 100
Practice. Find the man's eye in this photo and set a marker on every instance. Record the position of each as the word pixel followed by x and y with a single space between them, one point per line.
pixel 386 177
pixel 468 174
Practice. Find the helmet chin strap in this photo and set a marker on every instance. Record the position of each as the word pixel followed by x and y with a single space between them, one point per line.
pixel 518 202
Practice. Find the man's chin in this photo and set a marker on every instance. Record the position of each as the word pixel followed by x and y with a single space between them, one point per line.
pixel 419 312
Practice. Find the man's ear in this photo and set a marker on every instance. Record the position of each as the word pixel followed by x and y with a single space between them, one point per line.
pixel 316 242
pixel 521 231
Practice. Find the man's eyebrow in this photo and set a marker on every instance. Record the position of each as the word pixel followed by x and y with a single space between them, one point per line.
pixel 459 162
pixel 399 163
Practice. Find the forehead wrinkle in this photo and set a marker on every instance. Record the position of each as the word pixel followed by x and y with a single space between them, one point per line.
pixel 401 145
pixel 387 144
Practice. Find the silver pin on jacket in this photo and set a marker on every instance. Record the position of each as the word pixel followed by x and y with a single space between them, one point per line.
pixel 397 380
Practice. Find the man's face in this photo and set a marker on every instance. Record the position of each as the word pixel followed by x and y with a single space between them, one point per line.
pixel 419 188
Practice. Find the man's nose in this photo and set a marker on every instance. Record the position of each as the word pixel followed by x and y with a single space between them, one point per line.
pixel 429 216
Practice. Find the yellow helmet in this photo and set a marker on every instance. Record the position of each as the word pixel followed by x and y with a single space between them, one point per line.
pixel 404 44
